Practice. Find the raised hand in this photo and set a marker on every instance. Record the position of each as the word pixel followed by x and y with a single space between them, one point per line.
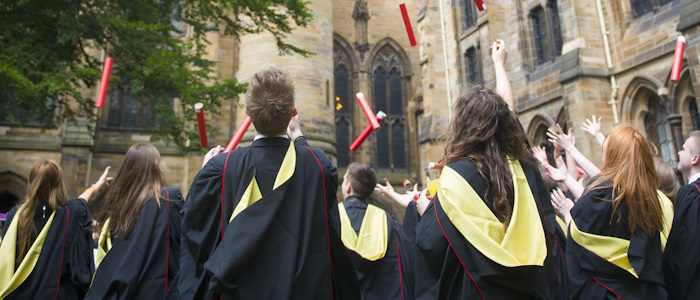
pixel 385 189
pixel 557 174
pixel 540 154
pixel 565 141
pixel 213 152
pixel 562 205
pixel 593 128
pixel 499 54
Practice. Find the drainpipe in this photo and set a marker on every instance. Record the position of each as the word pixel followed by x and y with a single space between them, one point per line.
pixel 444 54
pixel 608 59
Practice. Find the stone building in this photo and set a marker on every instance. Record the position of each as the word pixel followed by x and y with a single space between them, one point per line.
pixel 557 65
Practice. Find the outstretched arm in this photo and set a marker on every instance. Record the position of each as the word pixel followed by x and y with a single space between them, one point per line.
pixel 104 180
pixel 499 54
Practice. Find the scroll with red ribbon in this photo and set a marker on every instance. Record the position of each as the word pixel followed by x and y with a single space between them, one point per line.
pixel 368 111
pixel 104 83
pixel 239 135
pixel 201 125
pixel 678 59
pixel 365 133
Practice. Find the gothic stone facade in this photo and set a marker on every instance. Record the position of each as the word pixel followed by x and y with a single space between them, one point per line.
pixel 557 65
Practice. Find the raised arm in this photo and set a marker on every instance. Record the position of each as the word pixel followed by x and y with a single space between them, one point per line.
pixel 90 192
pixel 592 126
pixel 499 54
pixel 564 141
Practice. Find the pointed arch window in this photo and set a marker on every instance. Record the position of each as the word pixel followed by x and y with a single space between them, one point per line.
pixel 658 129
pixel 343 106
pixel 694 114
pixel 389 97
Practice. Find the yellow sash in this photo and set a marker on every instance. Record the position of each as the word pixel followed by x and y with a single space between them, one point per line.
pixel 563 226
pixel 374 236
pixel 521 244
pixel 614 249
pixel 9 278
pixel 252 193
pixel 104 244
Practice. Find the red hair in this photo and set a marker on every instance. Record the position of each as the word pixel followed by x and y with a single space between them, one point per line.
pixel 629 164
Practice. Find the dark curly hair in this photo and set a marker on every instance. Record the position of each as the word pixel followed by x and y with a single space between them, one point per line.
pixel 484 130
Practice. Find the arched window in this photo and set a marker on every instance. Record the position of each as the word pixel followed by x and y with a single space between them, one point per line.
pixel 694 114
pixel 546 31
pixel 344 99
pixel 388 97
pixel 541 35
pixel 469 14
pixel 126 111
pixel 343 115
pixel 658 130
pixel 557 40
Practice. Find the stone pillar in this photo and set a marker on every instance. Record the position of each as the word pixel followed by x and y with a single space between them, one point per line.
pixel 311 75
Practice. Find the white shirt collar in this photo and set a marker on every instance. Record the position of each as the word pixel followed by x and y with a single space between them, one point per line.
pixel 262 136
pixel 693 178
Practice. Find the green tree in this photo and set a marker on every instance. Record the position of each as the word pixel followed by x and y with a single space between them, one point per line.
pixel 45 55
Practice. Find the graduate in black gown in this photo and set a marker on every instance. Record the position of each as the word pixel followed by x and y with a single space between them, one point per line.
pixel 139 226
pixel 378 248
pixel 681 259
pixel 486 233
pixel 619 226
pixel 256 221
pixel 46 250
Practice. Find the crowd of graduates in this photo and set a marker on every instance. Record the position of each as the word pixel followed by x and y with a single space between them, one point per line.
pixel 504 220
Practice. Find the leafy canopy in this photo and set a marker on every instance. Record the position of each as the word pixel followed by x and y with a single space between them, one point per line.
pixel 50 51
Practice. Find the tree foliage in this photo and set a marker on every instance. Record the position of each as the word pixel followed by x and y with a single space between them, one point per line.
pixel 48 54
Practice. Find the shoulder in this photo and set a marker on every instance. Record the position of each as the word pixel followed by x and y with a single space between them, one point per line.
pixel 467 169
pixel 172 194
pixel 78 206
pixel 686 193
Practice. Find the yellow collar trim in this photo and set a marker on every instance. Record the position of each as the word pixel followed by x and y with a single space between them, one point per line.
pixel 521 244
pixel 613 249
pixel 252 193
pixel 373 239
pixel 9 278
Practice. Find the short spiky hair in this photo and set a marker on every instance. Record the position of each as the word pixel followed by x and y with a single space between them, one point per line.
pixel 362 179
pixel 270 101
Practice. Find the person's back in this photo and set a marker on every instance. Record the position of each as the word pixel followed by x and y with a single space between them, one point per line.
pixel 56 255
pixel 622 210
pixel 381 254
pixel 139 227
pixel 486 233
pixel 255 222
pixel 681 264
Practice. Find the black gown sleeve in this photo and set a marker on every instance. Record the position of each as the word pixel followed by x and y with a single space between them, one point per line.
pixel 201 221
pixel 329 169
pixel 81 264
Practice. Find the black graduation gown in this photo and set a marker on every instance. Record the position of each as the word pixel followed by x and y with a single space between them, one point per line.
pixel 559 254
pixel 455 269
pixel 681 258
pixel 390 277
pixel 594 277
pixel 140 265
pixel 67 251
pixel 280 247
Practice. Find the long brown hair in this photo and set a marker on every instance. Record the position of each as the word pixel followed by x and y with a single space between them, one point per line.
pixel 483 130
pixel 45 188
pixel 139 179
pixel 629 164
